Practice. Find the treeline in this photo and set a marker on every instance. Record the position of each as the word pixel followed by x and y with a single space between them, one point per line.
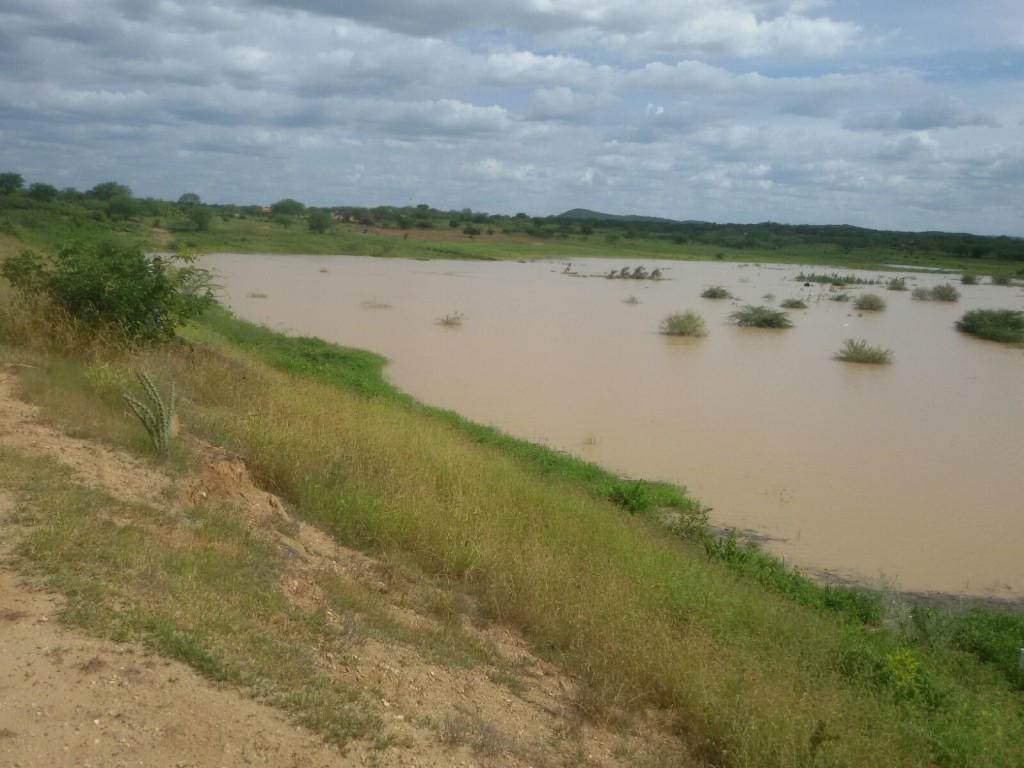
pixel 112 205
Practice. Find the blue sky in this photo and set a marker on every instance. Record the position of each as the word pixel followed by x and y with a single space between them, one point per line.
pixel 893 115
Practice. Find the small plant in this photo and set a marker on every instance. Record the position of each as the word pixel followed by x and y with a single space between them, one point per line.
pixel 631 300
pixel 793 304
pixel 157 419
pixel 451 320
pixel 861 352
pixel 1000 280
pixel 716 292
pixel 897 284
pixel 841 296
pixel 968 279
pixel 921 293
pixel 684 324
pixel 870 302
pixel 945 292
pixel 761 317
pixel 1003 325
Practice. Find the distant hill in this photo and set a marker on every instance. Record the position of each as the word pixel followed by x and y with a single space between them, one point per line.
pixel 582 214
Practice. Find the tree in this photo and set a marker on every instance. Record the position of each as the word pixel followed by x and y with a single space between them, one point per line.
pixel 116 289
pixel 319 220
pixel 200 217
pixel 287 207
pixel 44 193
pixel 10 183
pixel 189 198
pixel 108 190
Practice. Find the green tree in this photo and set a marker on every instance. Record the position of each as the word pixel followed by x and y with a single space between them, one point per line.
pixel 189 198
pixel 44 193
pixel 319 220
pixel 116 289
pixel 287 207
pixel 10 183
pixel 108 190
pixel 200 217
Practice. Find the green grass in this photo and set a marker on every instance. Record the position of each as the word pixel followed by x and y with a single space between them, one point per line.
pixel 716 292
pixel 854 351
pixel 761 317
pixel 1002 325
pixel 683 324
pixel 869 302
pixel 833 278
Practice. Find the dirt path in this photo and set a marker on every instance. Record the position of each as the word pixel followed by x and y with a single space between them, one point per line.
pixel 69 699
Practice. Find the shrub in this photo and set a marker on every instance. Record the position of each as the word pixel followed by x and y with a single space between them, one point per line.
pixel 631 300
pixel 945 292
pixel 897 284
pixel 452 320
pixel 684 324
pixel 921 293
pixel 968 279
pixel 116 289
pixel 861 352
pixel 1000 280
pixel 841 296
pixel 1003 325
pixel 793 304
pixel 870 302
pixel 761 317
pixel 716 292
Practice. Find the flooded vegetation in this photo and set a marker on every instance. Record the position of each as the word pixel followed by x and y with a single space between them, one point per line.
pixel 909 473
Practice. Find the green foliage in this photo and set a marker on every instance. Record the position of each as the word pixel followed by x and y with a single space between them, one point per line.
pixel 116 289
pixel 318 220
pixel 861 352
pixel 683 324
pixel 761 317
pixel 969 279
pixel 897 284
pixel 200 217
pixel 870 302
pixel 716 292
pixel 833 278
pixel 793 304
pixel 1000 280
pixel 945 292
pixel 287 208
pixel 1002 325
pixel 921 293
pixel 10 183
pixel 157 416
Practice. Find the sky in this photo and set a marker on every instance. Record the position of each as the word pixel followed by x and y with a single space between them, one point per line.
pixel 894 114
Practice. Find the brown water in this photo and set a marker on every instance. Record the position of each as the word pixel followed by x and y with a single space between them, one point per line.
pixel 911 473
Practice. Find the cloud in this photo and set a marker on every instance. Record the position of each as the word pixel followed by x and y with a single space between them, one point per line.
pixel 925 114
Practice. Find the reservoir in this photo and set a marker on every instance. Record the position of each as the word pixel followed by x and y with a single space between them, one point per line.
pixel 909 475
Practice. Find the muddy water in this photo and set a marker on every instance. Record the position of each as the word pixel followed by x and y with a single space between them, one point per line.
pixel 911 473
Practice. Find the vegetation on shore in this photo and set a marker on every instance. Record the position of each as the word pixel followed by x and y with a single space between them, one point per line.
pixel 619 581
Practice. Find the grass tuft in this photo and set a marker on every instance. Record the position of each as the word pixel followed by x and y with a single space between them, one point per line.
pixel 793 304
pixel 1002 325
pixel 683 324
pixel 716 292
pixel 869 302
pixel 861 352
pixel 761 317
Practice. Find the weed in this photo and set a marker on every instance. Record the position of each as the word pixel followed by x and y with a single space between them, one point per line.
pixel 761 317
pixel 945 292
pixel 861 352
pixel 793 304
pixel 869 302
pixel 451 320
pixel 897 284
pixel 683 324
pixel 1002 325
pixel 920 293
pixel 158 419
pixel 716 292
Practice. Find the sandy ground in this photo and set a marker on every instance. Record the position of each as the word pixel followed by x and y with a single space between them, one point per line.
pixel 69 699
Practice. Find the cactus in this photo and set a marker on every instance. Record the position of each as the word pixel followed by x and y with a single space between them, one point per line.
pixel 156 416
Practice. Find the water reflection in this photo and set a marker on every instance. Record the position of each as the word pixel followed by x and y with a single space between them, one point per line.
pixel 913 471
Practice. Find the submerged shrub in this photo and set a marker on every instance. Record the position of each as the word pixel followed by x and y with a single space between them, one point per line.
pixel 945 292
pixel 1000 280
pixel 684 324
pixel 761 317
pixel 451 320
pixel 1003 325
pixel 968 279
pixel 921 293
pixel 870 302
pixel 716 292
pixel 897 284
pixel 854 351
pixel 793 304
